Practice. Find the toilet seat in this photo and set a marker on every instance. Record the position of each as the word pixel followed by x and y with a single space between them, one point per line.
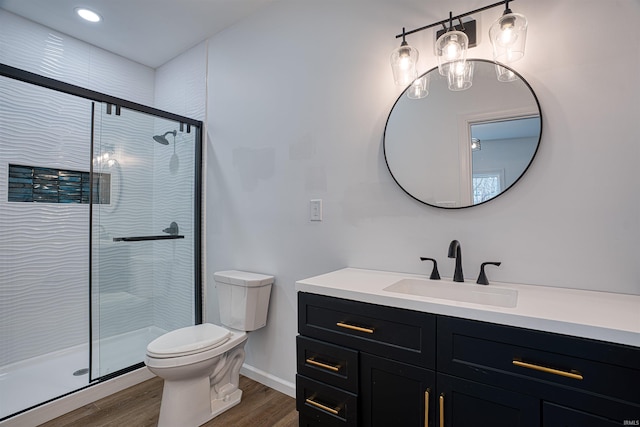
pixel 236 338
pixel 187 341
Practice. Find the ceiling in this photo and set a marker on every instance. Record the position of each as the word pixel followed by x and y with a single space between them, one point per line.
pixel 150 32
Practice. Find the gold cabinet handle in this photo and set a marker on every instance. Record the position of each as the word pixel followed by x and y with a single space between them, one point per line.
pixel 441 410
pixel 426 407
pixel 323 407
pixel 355 328
pixel 573 374
pixel 312 361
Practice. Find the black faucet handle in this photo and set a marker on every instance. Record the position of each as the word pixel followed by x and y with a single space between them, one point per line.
pixel 482 278
pixel 435 275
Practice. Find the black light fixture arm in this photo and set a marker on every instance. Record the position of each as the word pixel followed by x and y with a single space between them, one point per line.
pixel 450 19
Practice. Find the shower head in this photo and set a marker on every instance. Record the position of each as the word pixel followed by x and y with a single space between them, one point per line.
pixel 162 139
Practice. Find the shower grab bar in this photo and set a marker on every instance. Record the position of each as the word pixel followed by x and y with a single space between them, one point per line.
pixel 143 238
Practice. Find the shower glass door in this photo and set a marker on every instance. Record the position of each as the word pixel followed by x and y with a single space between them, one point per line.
pixel 99 235
pixel 44 223
pixel 144 234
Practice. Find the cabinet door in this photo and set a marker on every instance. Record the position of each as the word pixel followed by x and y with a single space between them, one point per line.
pixel 559 416
pixel 395 393
pixel 463 403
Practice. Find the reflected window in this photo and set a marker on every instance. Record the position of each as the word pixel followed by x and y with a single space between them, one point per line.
pixel 486 186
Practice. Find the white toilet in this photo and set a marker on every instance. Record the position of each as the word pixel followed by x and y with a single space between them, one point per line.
pixel 201 364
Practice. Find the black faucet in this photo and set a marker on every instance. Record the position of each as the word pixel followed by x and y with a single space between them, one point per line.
pixel 435 274
pixel 456 252
pixel 482 278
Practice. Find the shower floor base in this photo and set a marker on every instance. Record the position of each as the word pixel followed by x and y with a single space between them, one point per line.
pixel 34 381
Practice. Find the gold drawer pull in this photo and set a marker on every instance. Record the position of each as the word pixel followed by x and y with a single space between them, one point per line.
pixel 334 368
pixel 426 408
pixel 355 328
pixel 573 374
pixel 323 407
pixel 442 410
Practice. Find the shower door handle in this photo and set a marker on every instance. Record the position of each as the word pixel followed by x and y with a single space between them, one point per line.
pixel 144 238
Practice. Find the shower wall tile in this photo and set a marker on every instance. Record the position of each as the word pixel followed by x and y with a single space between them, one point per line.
pixel 120 77
pixel 44 256
pixel 44 277
pixel 181 84
pixel 34 48
pixel 43 247
pixel 38 49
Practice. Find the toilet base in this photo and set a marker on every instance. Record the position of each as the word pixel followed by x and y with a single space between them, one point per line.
pixel 218 406
pixel 180 407
pixel 195 393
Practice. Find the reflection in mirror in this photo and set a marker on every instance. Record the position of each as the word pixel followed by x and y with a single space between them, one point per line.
pixel 428 141
pixel 501 154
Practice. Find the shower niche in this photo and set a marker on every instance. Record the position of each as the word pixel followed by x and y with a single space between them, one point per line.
pixel 88 273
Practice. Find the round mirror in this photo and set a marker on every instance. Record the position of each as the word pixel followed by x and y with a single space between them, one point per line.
pixel 462 141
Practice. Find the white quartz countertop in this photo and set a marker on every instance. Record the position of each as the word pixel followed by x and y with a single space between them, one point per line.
pixel 597 315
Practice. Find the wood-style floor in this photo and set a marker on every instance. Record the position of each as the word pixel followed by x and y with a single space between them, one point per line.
pixel 139 406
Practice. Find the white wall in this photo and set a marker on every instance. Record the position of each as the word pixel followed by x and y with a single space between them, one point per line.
pixel 297 101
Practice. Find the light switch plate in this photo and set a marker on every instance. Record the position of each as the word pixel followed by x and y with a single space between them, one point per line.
pixel 315 210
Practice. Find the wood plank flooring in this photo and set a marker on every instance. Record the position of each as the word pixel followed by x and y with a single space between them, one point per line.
pixel 139 406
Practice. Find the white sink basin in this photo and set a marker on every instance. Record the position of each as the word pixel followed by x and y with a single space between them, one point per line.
pixel 455 291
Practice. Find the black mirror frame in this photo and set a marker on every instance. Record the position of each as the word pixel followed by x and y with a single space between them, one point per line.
pixel 506 189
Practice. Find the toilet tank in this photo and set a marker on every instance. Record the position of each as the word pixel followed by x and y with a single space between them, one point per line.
pixel 243 298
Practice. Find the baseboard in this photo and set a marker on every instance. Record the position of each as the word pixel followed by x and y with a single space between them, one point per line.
pixel 73 401
pixel 269 380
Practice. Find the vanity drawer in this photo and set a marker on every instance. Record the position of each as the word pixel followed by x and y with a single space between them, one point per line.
pixel 321 404
pixel 331 364
pixel 532 361
pixel 403 335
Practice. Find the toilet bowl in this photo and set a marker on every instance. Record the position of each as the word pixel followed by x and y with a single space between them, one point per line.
pixel 200 364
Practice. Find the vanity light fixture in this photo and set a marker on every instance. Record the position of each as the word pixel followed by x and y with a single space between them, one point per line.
pixel 475 144
pixel 451 49
pixel 507 34
pixel 403 63
pixel 88 15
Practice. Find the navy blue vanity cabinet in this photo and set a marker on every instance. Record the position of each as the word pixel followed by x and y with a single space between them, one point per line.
pixel 363 364
pixel 574 381
pixel 372 365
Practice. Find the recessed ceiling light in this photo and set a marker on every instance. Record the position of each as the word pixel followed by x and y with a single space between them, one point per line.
pixel 88 15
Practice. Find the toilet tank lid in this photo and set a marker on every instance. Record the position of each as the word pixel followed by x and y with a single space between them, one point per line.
pixel 243 278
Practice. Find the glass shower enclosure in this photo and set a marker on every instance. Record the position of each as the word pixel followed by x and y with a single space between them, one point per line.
pixel 99 235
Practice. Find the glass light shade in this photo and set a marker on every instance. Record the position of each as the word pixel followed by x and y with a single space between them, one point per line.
pixel 475 144
pixel 451 47
pixel 460 75
pixel 505 75
pixel 403 64
pixel 419 88
pixel 508 36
